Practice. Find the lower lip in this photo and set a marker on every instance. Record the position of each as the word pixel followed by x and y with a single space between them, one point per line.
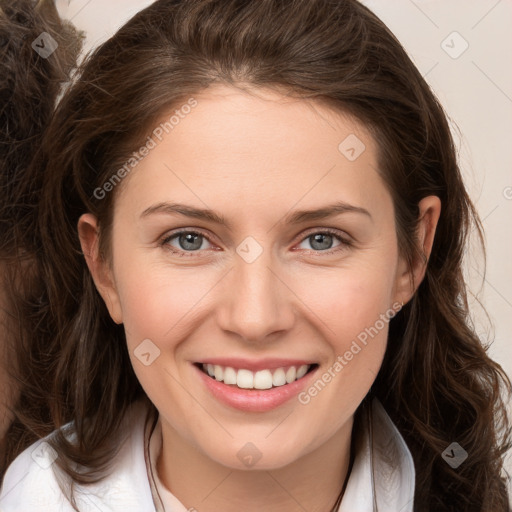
pixel 254 400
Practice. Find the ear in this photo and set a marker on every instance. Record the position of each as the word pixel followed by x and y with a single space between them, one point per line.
pixel 100 270
pixel 409 278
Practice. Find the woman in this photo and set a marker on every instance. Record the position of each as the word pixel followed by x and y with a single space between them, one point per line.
pixel 219 345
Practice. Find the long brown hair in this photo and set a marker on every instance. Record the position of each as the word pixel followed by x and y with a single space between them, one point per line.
pixel 437 382
pixel 29 87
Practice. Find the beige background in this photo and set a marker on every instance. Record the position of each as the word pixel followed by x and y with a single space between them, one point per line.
pixel 476 91
pixel 475 87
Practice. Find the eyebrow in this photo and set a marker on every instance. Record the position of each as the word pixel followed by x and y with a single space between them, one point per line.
pixel 294 217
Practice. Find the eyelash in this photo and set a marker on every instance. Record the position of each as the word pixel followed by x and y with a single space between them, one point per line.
pixel 345 243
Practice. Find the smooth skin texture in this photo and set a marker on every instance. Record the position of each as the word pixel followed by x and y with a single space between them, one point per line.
pixel 254 159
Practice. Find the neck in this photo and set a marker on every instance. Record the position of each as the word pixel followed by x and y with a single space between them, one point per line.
pixel 312 483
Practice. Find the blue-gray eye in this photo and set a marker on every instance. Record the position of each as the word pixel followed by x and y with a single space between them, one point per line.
pixel 187 241
pixel 320 241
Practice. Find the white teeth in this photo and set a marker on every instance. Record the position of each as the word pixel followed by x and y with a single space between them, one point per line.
pixel 229 376
pixel 291 374
pixel 262 379
pixel 219 372
pixel 279 377
pixel 245 379
pixel 302 371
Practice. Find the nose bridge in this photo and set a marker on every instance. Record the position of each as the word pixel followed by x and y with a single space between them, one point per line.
pixel 257 304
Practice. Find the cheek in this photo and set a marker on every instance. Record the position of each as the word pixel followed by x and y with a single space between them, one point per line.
pixel 157 301
pixel 353 305
pixel 354 319
pixel 350 298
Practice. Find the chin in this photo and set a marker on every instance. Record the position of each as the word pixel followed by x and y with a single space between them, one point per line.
pixel 253 455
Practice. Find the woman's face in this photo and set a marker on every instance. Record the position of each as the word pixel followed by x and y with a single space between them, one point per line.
pixel 257 237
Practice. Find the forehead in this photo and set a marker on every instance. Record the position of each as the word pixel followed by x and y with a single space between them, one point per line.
pixel 245 149
pixel 228 115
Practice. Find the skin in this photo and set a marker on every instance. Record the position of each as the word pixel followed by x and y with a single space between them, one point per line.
pixel 254 158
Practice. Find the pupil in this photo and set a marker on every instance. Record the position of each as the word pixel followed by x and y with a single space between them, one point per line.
pixel 321 241
pixel 190 241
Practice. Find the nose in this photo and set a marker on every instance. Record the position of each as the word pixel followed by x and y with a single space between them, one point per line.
pixel 256 304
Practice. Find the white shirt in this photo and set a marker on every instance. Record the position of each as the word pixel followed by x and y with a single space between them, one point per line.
pixel 31 481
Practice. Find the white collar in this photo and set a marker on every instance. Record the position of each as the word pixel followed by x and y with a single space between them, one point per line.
pixel 388 486
pixel 381 479
pixel 382 473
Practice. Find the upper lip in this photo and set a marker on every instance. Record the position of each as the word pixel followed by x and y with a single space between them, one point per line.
pixel 255 365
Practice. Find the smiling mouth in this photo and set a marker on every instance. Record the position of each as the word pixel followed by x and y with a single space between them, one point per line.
pixel 262 379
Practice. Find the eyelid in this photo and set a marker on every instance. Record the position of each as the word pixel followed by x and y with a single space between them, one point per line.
pixel 343 237
pixel 163 241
